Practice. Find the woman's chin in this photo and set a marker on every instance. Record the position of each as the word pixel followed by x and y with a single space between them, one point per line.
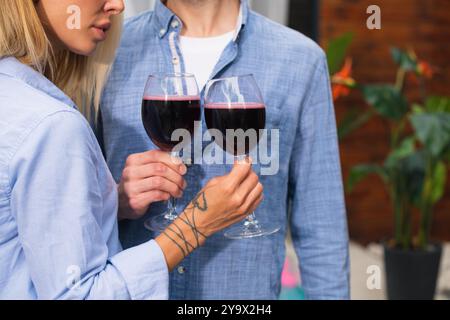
pixel 87 50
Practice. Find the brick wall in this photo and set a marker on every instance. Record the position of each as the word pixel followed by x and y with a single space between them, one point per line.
pixel 421 24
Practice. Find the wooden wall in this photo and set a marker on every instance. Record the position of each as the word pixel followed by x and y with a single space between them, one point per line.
pixel 421 24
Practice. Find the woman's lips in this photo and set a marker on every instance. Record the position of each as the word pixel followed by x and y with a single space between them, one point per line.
pixel 100 33
pixel 101 30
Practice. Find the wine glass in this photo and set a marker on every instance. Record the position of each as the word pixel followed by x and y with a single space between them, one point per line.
pixel 236 103
pixel 170 102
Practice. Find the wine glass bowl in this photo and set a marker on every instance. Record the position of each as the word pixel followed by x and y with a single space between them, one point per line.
pixel 170 102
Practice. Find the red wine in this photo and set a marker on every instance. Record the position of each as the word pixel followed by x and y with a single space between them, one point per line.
pixel 161 116
pixel 236 116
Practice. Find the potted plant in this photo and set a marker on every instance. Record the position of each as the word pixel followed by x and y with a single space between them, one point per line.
pixel 414 171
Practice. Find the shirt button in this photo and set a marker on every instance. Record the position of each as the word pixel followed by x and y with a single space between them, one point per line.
pixel 162 32
pixel 181 270
pixel 175 24
pixel 175 61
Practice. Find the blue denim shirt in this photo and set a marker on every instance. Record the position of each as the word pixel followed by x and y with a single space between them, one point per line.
pixel 292 73
pixel 58 203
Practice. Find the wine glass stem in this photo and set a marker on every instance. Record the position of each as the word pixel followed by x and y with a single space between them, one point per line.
pixel 172 203
pixel 171 209
pixel 251 222
pixel 251 219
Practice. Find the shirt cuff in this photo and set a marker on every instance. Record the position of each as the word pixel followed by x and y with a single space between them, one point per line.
pixel 145 271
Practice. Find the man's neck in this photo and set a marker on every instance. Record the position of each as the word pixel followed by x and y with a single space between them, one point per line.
pixel 206 18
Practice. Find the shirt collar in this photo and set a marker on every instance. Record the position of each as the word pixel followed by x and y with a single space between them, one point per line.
pixel 164 17
pixel 12 67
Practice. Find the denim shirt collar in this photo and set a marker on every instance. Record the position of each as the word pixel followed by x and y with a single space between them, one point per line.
pixel 164 18
pixel 12 67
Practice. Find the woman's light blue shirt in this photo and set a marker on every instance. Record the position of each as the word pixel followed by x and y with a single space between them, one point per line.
pixel 58 203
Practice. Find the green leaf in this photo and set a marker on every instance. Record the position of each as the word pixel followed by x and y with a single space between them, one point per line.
pixel 360 172
pixel 387 101
pixel 433 131
pixel 438 181
pixel 403 60
pixel 337 50
pixel 438 104
pixel 417 108
pixel 412 169
pixel 447 155
pixel 352 121
pixel 406 148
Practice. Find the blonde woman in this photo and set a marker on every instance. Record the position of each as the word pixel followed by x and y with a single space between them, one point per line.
pixel 58 201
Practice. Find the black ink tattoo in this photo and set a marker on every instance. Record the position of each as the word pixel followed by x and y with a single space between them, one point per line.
pixel 180 247
pixel 180 234
pixel 193 228
pixel 199 203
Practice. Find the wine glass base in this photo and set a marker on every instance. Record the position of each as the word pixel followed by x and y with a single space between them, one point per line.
pixel 160 222
pixel 250 231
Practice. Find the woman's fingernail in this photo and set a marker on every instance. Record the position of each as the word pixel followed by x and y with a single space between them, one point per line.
pixel 183 169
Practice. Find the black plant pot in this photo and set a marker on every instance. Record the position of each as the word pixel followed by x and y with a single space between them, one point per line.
pixel 412 274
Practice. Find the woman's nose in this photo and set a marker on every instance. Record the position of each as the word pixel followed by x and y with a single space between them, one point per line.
pixel 114 6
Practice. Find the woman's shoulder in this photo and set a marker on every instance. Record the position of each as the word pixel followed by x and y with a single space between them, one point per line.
pixel 31 115
pixel 19 98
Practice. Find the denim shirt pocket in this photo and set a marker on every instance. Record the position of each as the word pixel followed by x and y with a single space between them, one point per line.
pixel 273 108
pixel 273 116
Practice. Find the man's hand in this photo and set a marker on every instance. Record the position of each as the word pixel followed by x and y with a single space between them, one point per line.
pixel 223 201
pixel 149 177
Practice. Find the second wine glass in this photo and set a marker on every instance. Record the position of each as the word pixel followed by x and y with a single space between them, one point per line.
pixel 236 104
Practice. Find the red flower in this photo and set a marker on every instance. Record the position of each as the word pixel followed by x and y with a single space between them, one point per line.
pixel 425 70
pixel 342 81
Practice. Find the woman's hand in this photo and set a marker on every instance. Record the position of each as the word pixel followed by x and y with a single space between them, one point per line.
pixel 226 200
pixel 149 177
pixel 222 202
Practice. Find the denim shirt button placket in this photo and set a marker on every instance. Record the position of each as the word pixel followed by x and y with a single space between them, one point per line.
pixel 181 269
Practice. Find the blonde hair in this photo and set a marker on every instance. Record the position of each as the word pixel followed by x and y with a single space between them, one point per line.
pixel 22 36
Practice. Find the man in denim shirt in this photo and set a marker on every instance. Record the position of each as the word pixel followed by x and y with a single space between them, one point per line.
pixel 292 73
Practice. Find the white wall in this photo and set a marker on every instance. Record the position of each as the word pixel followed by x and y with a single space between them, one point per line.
pixel 276 10
pixel 133 7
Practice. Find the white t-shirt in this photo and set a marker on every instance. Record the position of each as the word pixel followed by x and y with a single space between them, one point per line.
pixel 202 54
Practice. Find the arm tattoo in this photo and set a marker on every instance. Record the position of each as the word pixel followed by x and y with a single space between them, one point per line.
pixel 198 204
pixel 188 215
pixel 181 236
pixel 180 247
